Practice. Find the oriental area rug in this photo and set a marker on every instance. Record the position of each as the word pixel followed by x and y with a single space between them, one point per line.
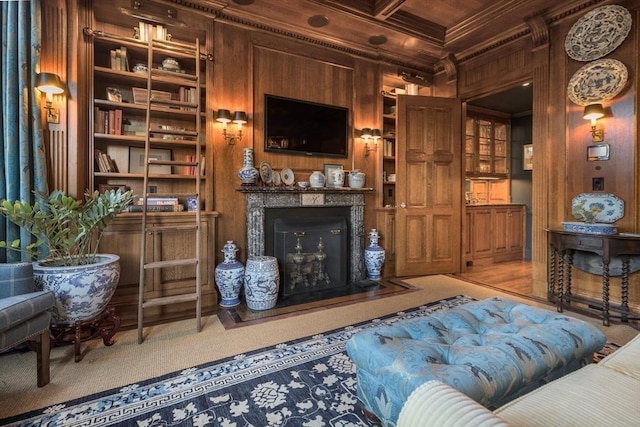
pixel 307 382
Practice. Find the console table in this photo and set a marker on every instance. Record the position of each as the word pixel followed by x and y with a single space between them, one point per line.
pixel 563 245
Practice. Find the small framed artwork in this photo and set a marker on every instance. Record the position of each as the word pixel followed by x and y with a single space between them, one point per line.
pixel 136 160
pixel 114 94
pixel 527 157
pixel 598 152
pixel 328 173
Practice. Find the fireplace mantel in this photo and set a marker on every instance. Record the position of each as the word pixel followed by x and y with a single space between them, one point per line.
pixel 261 198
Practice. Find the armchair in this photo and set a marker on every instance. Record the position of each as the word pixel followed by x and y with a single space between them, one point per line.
pixel 24 314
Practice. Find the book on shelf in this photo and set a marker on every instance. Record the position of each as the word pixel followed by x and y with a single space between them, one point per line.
pixel 158 201
pixel 119 59
pixel 104 162
pixel 156 208
pixel 108 121
pixel 147 31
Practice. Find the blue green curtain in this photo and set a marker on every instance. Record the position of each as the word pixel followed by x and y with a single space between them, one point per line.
pixel 23 166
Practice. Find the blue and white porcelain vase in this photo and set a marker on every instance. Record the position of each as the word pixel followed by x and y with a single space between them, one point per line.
pixel 229 276
pixel 248 174
pixel 261 282
pixel 374 256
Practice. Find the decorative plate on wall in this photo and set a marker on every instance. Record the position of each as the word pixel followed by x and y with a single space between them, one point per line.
pixel 598 33
pixel 607 207
pixel 597 81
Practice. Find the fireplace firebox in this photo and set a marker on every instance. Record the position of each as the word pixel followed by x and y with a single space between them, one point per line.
pixel 311 253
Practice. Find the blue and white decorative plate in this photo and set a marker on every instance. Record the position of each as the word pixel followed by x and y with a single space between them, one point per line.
pixel 607 207
pixel 598 33
pixel 597 81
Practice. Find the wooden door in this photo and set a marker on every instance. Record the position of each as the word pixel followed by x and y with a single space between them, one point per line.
pixel 428 186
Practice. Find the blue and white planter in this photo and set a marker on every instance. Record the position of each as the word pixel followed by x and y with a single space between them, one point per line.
pixel 261 282
pixel 229 276
pixel 374 257
pixel 82 292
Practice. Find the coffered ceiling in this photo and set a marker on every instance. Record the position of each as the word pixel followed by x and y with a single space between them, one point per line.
pixel 411 33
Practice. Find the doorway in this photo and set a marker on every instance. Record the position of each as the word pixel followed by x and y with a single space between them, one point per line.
pixel 518 103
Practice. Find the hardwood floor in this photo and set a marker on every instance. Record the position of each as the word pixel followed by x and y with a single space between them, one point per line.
pixel 512 276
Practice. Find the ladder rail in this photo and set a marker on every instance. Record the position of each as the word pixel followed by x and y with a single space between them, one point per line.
pixel 197 164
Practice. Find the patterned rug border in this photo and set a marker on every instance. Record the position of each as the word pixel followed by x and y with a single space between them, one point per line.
pixel 151 394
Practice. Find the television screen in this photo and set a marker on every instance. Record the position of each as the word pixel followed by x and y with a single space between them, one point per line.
pixel 307 128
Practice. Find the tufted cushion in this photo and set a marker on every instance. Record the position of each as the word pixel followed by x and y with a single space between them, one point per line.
pixel 491 350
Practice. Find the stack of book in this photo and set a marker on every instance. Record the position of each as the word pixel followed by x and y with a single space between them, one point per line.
pixel 157 204
pixel 108 121
pixel 104 162
pixel 119 59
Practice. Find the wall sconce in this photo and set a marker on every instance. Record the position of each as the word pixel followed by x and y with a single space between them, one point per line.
pixel 369 134
pixel 594 112
pixel 50 84
pixel 239 118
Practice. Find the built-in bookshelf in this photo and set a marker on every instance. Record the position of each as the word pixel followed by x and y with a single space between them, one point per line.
pixel 123 70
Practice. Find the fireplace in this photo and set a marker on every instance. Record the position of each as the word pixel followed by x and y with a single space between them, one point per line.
pixel 277 217
pixel 311 248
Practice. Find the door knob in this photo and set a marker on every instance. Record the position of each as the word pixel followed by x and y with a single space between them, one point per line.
pixel 403 205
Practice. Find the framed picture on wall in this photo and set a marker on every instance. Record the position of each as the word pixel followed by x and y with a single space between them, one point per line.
pixel 527 157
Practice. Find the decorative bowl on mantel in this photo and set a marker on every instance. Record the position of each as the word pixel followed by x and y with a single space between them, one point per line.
pixel 598 211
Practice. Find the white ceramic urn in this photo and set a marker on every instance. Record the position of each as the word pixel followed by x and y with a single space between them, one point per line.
pixel 316 179
pixel 356 179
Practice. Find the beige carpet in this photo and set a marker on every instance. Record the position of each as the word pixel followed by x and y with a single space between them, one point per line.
pixel 175 346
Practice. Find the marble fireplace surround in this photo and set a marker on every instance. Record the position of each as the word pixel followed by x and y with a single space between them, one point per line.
pixel 259 199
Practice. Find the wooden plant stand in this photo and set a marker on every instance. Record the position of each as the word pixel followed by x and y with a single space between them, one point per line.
pixel 83 330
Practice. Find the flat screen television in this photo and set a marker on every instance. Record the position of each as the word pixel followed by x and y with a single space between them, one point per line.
pixel 300 127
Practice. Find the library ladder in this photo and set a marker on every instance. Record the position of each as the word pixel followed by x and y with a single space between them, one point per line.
pixel 150 266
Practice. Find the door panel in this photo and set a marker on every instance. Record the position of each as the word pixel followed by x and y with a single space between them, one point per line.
pixel 428 186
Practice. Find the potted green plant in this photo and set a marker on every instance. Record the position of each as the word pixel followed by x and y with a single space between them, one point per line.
pixel 70 230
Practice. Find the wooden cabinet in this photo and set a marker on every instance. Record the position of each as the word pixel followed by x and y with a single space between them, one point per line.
pixel 494 233
pixel 486 143
pixel 123 237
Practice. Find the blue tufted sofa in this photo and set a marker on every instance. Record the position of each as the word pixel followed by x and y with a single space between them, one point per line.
pixel 492 350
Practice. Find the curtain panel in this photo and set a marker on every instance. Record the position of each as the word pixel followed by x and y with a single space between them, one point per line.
pixel 23 166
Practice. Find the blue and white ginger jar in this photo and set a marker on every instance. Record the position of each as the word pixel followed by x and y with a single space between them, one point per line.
pixel 229 276
pixel 374 256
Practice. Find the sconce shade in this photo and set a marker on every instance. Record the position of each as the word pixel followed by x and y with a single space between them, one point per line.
pixel 366 133
pixel 375 133
pixel 223 116
pixel 593 112
pixel 240 117
pixel 49 83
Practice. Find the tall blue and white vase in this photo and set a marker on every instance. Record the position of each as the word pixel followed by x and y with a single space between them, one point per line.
pixel 229 275
pixel 374 256
pixel 247 173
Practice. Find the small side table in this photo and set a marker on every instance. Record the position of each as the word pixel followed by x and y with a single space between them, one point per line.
pixel 563 244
